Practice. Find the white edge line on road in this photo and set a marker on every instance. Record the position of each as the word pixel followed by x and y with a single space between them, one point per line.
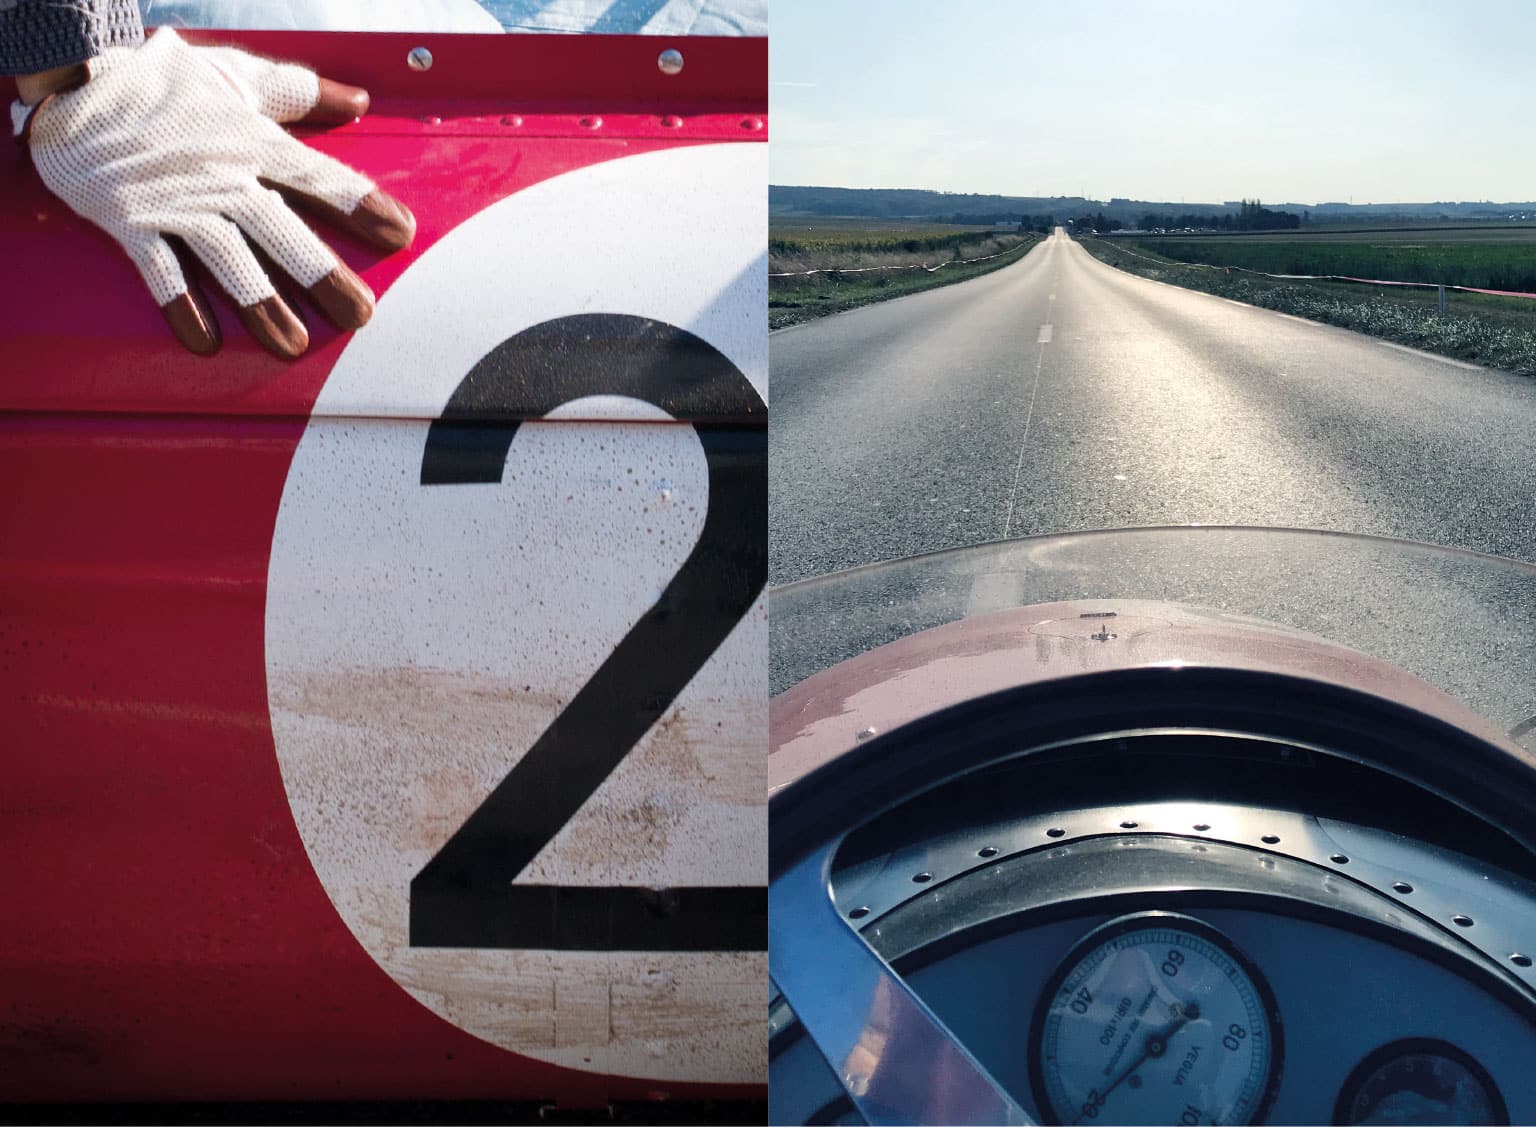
pixel 1303 320
pixel 1430 356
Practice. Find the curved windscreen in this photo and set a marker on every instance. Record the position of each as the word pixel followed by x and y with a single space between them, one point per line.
pixel 1464 622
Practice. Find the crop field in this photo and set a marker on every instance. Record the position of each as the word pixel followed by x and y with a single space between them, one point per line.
pixel 1496 331
pixel 1401 233
pixel 1500 258
pixel 828 265
pixel 803 237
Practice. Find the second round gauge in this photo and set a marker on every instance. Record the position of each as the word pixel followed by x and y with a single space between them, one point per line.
pixel 1156 1018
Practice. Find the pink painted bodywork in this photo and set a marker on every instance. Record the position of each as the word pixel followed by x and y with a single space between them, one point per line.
pixel 165 934
pixel 820 718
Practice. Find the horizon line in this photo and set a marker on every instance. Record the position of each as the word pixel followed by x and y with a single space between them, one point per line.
pixel 1147 200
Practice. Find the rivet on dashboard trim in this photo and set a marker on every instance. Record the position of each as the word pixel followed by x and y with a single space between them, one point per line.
pixel 921 878
pixel 859 913
pixel 1461 921
pixel 1339 859
pixel 1401 887
pixel 1520 960
pixel 419 58
pixel 1055 831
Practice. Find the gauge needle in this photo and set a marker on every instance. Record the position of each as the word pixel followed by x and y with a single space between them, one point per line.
pixel 1155 1045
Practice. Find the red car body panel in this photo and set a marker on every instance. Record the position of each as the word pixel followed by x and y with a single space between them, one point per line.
pixel 166 935
pixel 821 718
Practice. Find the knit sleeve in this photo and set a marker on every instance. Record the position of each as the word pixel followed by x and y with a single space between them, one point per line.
pixel 38 35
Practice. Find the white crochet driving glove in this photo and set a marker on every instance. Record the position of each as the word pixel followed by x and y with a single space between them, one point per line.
pixel 169 139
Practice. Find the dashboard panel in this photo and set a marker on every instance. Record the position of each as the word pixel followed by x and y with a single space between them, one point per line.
pixel 1340 997
pixel 1351 974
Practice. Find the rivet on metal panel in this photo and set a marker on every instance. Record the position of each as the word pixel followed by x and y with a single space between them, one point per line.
pixel 419 59
pixel 866 733
pixel 512 119
pixel 753 123
pixel 593 122
pixel 432 119
pixel 672 121
pixel 670 61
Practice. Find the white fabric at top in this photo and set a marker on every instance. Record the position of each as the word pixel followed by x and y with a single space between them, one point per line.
pixel 610 17
pixel 635 17
pixel 322 15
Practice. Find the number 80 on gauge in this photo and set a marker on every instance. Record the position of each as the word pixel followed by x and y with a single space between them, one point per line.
pixel 1156 1018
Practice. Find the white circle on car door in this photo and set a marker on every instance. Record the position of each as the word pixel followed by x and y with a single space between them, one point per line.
pixel 422 636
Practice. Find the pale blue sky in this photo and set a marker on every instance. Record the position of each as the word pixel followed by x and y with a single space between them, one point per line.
pixel 1202 100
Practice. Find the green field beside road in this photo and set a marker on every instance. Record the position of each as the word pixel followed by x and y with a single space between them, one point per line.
pixel 1499 332
pixel 829 265
pixel 1500 258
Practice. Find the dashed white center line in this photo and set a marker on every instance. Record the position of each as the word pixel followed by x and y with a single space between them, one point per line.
pixel 1029 418
pixel 1045 334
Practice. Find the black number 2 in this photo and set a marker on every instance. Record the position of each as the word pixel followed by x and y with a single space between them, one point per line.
pixel 465 895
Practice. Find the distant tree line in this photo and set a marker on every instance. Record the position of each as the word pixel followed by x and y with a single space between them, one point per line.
pixel 1100 222
pixel 1026 223
pixel 1251 216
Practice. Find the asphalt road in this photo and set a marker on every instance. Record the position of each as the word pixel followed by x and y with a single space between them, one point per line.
pixel 1058 394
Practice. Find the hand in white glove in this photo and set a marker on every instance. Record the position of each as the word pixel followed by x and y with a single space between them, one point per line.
pixel 169 140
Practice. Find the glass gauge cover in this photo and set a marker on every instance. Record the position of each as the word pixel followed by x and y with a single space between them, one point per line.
pixel 1155 1018
pixel 1420 1081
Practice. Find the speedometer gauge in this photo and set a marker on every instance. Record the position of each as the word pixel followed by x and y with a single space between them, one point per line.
pixel 1156 1018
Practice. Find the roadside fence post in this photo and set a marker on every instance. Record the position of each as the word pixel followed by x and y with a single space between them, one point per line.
pixel 1441 307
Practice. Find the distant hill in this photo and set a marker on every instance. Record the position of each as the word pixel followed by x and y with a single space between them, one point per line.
pixel 909 203
pixel 966 207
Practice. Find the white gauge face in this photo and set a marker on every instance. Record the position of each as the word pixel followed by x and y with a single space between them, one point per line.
pixel 1156 1018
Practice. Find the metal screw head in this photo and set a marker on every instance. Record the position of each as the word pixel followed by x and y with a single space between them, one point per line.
pixel 419 59
pixel 670 61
